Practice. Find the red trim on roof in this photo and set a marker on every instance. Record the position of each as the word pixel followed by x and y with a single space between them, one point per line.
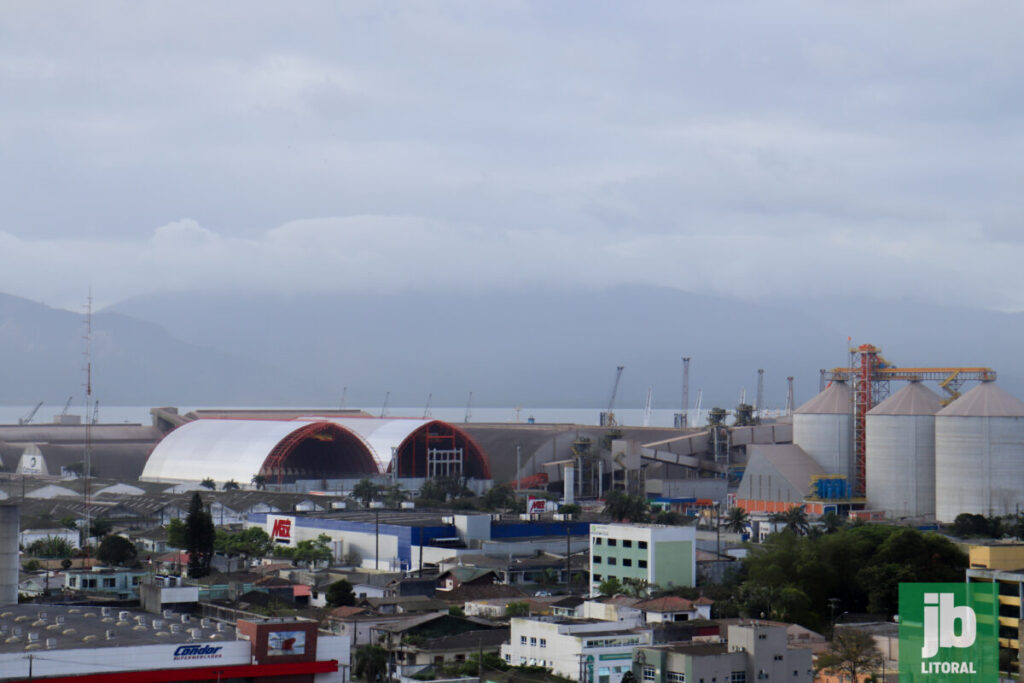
pixel 199 673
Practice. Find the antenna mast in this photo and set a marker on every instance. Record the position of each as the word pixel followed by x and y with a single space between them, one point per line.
pixel 426 411
pixel 384 408
pixel 469 407
pixel 759 408
pixel 87 464
pixel 789 397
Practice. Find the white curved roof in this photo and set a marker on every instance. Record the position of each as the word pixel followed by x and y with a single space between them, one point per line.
pixel 222 450
pixel 379 434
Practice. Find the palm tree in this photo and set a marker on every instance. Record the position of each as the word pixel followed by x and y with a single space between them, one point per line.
pixel 832 522
pixel 259 481
pixel 736 520
pixel 795 519
pixel 208 483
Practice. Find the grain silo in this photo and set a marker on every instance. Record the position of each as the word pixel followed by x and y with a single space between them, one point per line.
pixel 900 446
pixel 979 454
pixel 822 428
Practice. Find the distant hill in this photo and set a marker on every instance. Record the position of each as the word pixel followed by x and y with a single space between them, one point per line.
pixel 535 348
pixel 532 348
pixel 134 363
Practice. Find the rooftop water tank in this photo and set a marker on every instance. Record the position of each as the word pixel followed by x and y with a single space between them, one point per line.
pixel 900 451
pixel 979 454
pixel 822 428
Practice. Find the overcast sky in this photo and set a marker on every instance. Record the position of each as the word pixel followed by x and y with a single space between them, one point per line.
pixel 746 149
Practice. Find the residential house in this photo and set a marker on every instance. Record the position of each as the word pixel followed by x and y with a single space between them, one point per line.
pixel 113 581
pixel 675 608
pixel 440 639
pixel 459 576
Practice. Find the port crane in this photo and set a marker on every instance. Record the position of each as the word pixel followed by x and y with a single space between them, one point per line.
pixel 608 417
pixel 31 414
pixel 869 375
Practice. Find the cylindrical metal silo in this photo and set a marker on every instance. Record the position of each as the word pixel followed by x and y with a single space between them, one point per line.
pixel 900 445
pixel 10 527
pixel 822 428
pixel 979 454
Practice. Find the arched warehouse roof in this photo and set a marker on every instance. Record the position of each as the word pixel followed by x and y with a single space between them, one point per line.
pixel 411 438
pixel 308 448
pixel 225 450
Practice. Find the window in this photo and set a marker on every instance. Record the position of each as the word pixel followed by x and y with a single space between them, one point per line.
pixel 642 545
pixel 612 561
pixel 522 660
pixel 109 583
pixel 88 583
pixel 597 541
pixel 73 581
pixel 627 544
pixel 135 581
pixel 533 642
pixel 522 640
pixel 543 642
pixel 648 674
pixel 597 577
pixel 762 636
pixel 675 677
pixel 738 677
pixel 642 564
pixel 612 542
pixel 778 658
pixel 508 658
pixel 597 559
pixel 626 562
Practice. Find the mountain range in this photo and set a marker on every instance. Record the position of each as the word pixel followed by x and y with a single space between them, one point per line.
pixel 540 348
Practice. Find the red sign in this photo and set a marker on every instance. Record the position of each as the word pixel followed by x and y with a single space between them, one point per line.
pixel 282 529
pixel 535 505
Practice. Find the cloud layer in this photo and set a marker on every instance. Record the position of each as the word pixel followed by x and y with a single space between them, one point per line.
pixel 750 149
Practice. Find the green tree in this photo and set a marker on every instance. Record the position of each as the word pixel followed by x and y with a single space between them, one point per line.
pixel 517 609
pixel 736 520
pixel 208 483
pixel 851 653
pixel 248 543
pixel 831 522
pixel 177 534
pixel 394 495
pixel 570 509
pixel 230 485
pixel 636 588
pixel 308 553
pixel 69 522
pixel 609 587
pixel 340 594
pixel 117 551
pixel 499 498
pixel 443 489
pixel 199 536
pixel 456 611
pixel 99 528
pixel 795 519
pixel 622 506
pixel 51 547
pixel 371 663
pixel 366 491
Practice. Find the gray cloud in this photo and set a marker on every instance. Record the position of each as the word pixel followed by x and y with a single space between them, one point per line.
pixel 752 149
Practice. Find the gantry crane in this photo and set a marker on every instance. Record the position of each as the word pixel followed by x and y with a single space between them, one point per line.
pixel 869 375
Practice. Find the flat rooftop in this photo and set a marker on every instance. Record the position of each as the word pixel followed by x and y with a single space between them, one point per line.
pixel 32 626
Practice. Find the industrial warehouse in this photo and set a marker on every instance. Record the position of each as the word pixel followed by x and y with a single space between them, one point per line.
pixel 853 449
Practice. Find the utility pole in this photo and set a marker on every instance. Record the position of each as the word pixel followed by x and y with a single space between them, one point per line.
pixel 376 539
pixel 568 560
pixel 686 391
pixel 519 473
pixel 789 397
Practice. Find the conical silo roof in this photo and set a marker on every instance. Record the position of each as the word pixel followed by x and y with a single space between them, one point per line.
pixel 985 400
pixel 835 400
pixel 913 399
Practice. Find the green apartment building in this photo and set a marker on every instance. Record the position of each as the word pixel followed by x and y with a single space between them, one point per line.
pixel 663 555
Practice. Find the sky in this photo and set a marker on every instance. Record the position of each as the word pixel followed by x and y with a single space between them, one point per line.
pixel 743 149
